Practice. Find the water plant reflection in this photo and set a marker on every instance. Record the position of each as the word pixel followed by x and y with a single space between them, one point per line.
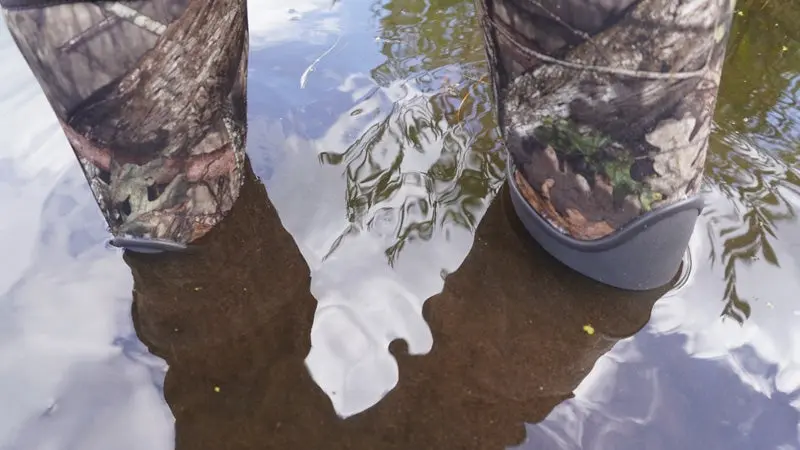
pixel 753 162
pixel 447 115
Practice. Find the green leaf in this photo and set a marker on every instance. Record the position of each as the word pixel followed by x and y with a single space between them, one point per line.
pixel 768 251
pixel 648 197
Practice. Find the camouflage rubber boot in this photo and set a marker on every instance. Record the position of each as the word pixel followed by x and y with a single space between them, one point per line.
pixel 151 96
pixel 606 108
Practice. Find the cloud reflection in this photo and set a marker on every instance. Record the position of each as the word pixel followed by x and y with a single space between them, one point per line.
pixel 73 374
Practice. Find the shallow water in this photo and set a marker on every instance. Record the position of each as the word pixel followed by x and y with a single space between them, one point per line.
pixel 371 130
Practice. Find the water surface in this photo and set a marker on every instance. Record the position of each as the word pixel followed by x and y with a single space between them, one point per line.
pixel 373 269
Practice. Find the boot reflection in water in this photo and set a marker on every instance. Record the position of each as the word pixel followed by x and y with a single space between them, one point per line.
pixel 151 96
pixel 509 341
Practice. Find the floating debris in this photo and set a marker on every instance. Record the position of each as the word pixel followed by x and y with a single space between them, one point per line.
pixel 589 329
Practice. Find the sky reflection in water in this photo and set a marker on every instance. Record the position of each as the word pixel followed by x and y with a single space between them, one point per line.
pixel 381 165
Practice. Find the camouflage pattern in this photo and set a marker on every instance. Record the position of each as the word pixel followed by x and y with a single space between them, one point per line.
pixel 606 106
pixel 151 96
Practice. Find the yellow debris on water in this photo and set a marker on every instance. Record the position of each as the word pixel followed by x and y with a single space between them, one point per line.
pixel 589 329
pixel 216 389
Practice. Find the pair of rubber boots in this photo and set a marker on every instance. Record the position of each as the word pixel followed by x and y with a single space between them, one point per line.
pixel 607 131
